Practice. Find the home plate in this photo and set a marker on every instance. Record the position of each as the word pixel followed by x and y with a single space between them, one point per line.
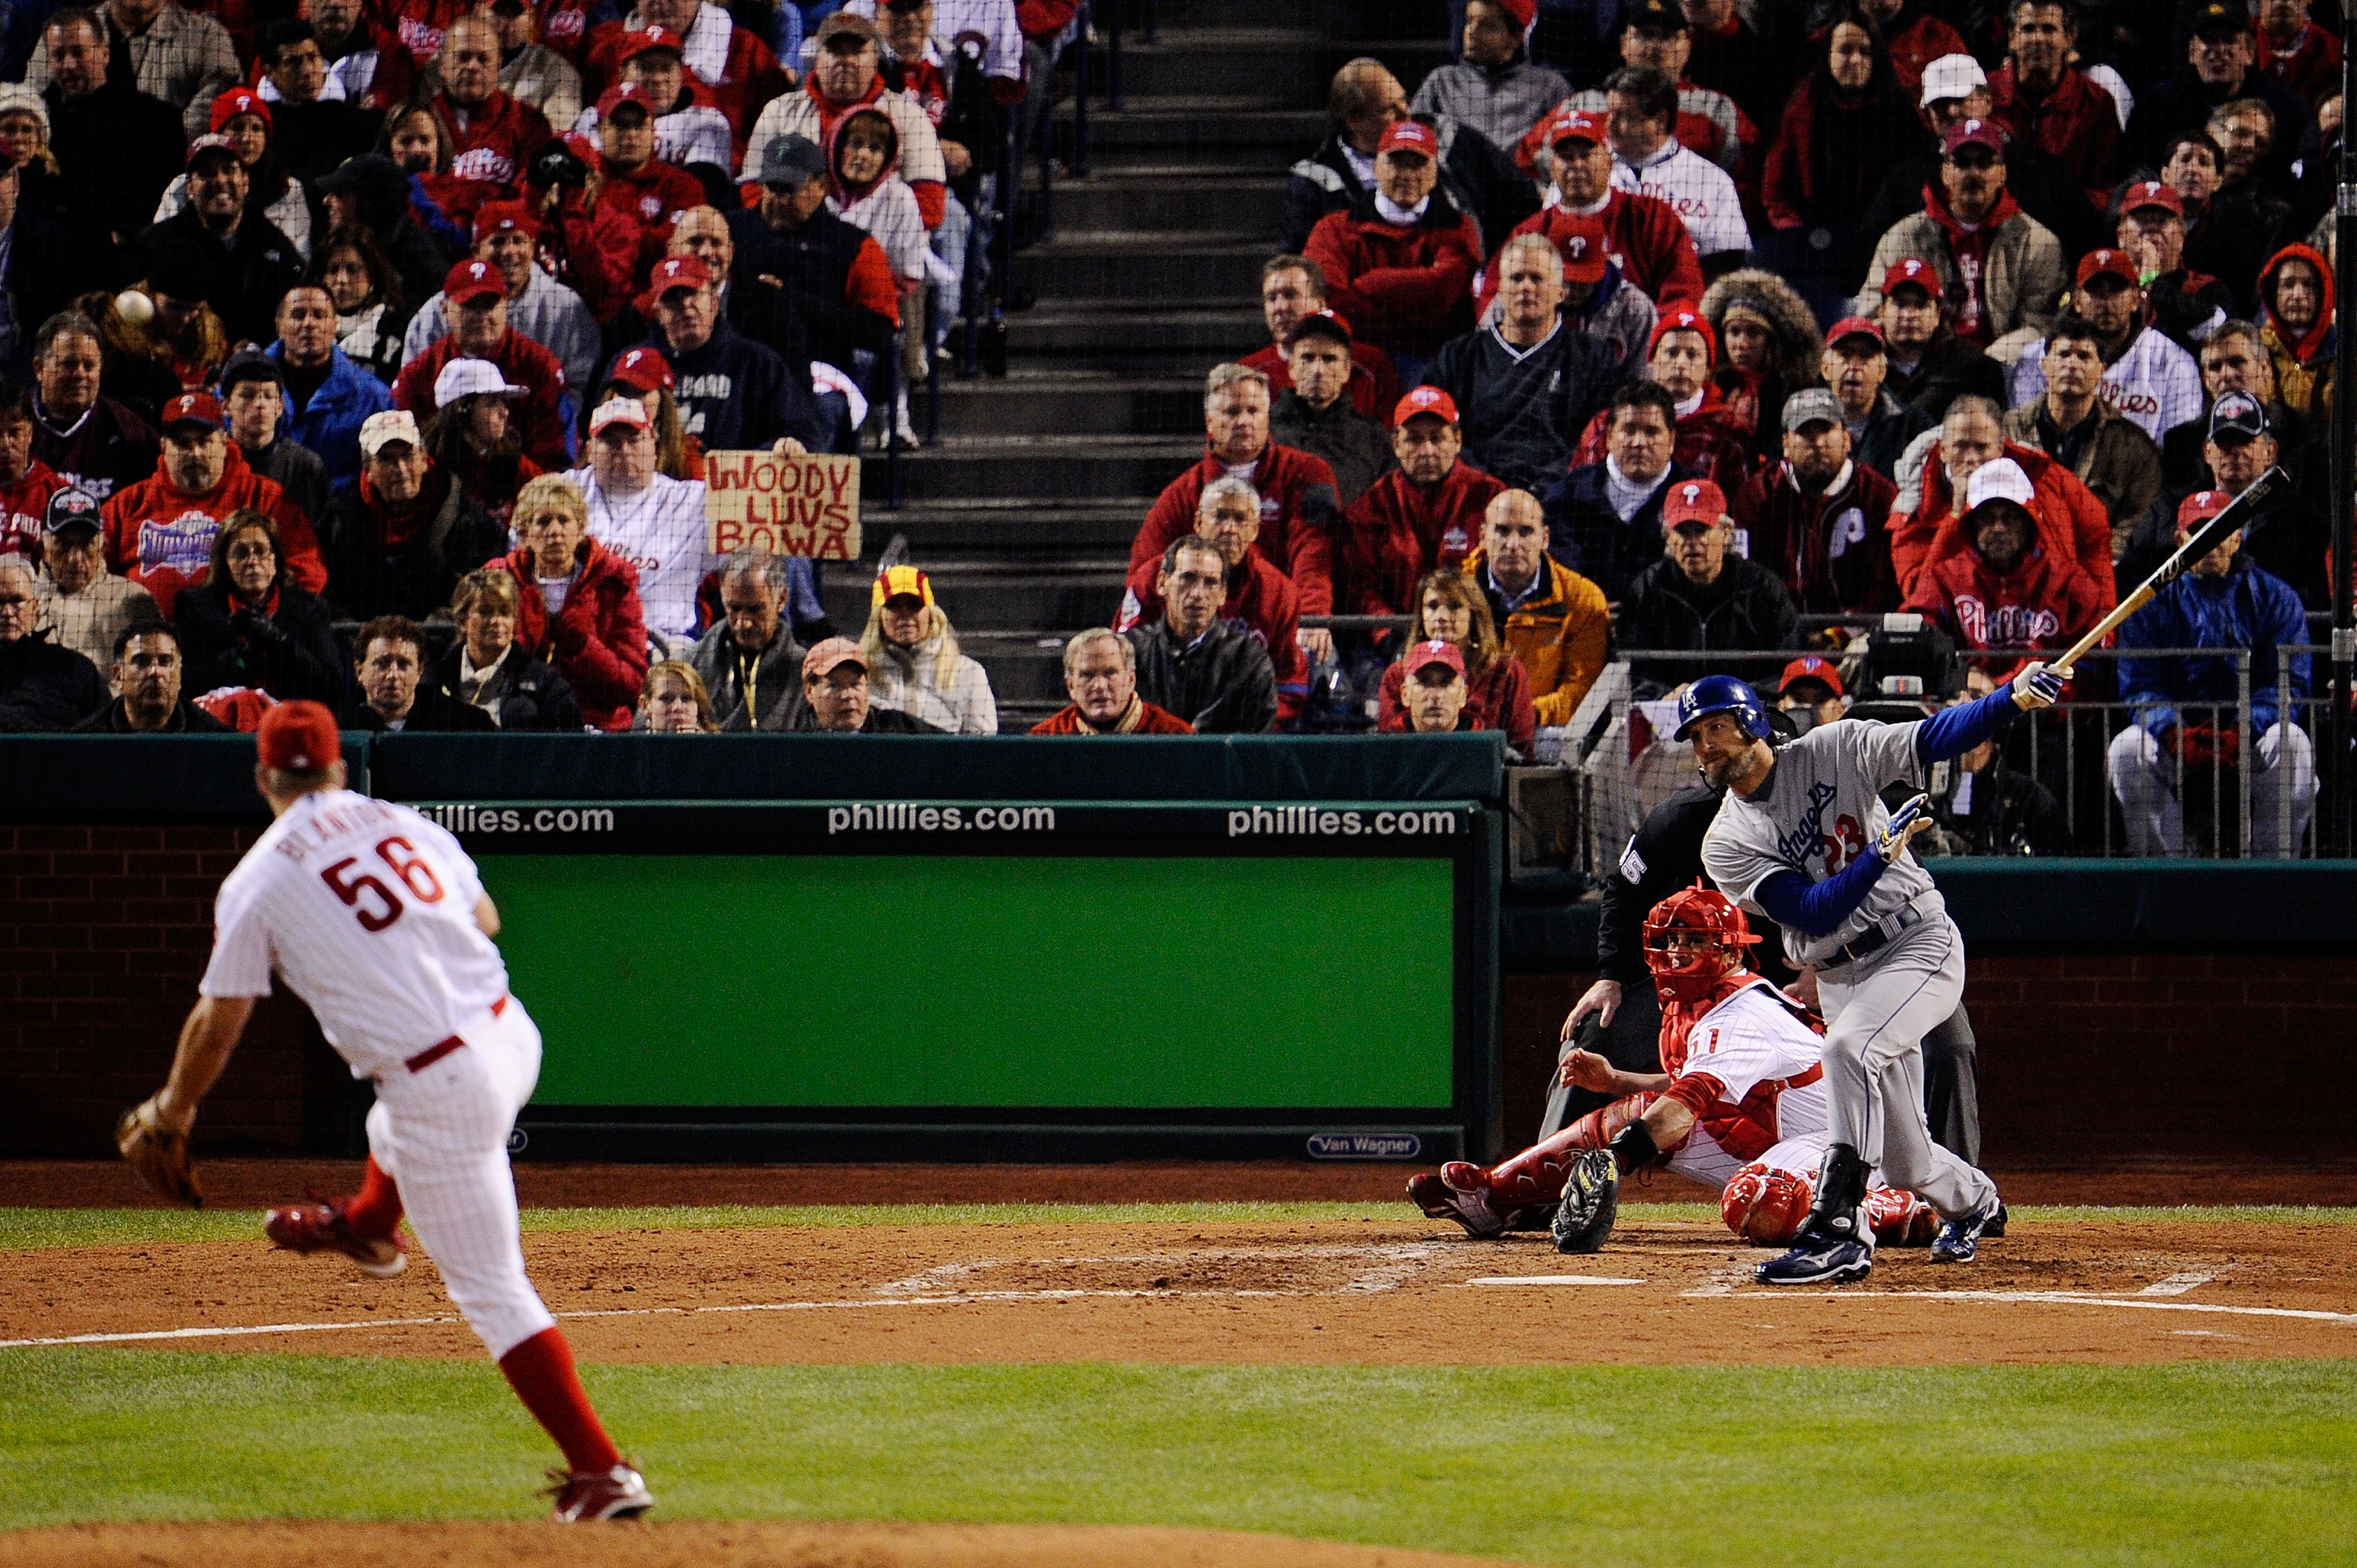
pixel 1553 1280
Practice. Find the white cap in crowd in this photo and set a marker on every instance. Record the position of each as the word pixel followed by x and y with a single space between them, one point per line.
pixel 470 378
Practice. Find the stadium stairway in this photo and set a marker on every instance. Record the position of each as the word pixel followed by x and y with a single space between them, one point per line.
pixel 1025 510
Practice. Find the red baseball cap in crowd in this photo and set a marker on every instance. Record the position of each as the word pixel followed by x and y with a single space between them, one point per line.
pixel 506 218
pixel 1425 655
pixel 642 369
pixel 2152 193
pixel 635 44
pixel 2108 264
pixel 2200 508
pixel 210 142
pixel 1913 272
pixel 1322 323
pixel 623 92
pixel 583 145
pixel 823 660
pixel 1429 401
pixel 1809 667
pixel 671 273
pixel 238 100
pixel 1585 250
pixel 1973 133
pixel 1526 12
pixel 1683 321
pixel 1409 136
pixel 1850 327
pixel 471 281
pixel 298 737
pixel 193 408
pixel 1576 125
pixel 1692 500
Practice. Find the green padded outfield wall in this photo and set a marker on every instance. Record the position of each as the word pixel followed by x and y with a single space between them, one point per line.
pixel 913 981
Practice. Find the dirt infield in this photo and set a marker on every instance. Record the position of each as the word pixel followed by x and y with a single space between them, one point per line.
pixel 2287 1178
pixel 1400 1292
pixel 690 1545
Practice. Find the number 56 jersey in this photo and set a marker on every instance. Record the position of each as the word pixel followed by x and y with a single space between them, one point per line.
pixel 367 911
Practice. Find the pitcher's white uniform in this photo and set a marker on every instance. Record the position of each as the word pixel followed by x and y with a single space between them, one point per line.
pixel 1892 970
pixel 367 911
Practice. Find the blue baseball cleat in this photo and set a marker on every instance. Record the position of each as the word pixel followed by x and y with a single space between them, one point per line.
pixel 1959 1239
pixel 1818 1260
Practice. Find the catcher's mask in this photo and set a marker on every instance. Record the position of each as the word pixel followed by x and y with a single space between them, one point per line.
pixel 1693 939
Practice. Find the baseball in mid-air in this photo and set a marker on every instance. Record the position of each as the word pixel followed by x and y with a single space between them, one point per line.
pixel 134 307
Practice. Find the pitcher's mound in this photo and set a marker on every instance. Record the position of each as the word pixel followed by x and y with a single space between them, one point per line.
pixel 693 1545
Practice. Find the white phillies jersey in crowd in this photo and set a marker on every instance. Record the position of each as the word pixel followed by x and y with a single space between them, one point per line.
pixel 662 531
pixel 2154 383
pixel 1753 1041
pixel 1819 810
pixel 1698 191
pixel 367 911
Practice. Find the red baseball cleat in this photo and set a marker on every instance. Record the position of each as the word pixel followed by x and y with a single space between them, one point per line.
pixel 321 1227
pixel 619 1493
pixel 1441 1201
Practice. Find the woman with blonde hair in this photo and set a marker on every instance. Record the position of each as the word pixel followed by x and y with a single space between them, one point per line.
pixel 1449 608
pixel 672 701
pixel 913 662
pixel 579 607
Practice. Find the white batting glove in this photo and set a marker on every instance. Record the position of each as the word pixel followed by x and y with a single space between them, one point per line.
pixel 2035 687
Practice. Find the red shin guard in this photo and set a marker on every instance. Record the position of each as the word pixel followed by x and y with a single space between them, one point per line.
pixel 375 1210
pixel 541 1371
pixel 1537 1174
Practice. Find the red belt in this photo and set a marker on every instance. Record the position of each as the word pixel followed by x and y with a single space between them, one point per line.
pixel 435 1052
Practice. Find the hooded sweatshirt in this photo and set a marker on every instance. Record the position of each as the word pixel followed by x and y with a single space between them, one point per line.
pixel 885 206
pixel 1968 310
pixel 161 537
pixel 2303 361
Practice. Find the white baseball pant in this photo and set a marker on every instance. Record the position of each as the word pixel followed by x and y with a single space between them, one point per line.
pixel 2280 774
pixel 1700 1158
pixel 1877 1013
pixel 442 1134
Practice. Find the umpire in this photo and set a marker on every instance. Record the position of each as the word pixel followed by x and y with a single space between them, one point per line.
pixel 1664 856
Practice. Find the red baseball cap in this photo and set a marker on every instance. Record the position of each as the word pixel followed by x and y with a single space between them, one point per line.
pixel 1576 125
pixel 471 281
pixel 642 370
pixel 298 737
pixel 238 100
pixel 625 93
pixel 1809 667
pixel 1585 250
pixel 1683 321
pixel 635 44
pixel 2201 506
pixel 1854 326
pixel 1429 401
pixel 2152 193
pixel 1410 136
pixel 1692 500
pixel 1913 272
pixel 583 145
pixel 1423 655
pixel 2108 264
pixel 506 218
pixel 1526 12
pixel 193 408
pixel 1973 133
pixel 671 273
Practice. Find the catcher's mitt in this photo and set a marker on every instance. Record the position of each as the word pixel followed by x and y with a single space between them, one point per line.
pixel 159 1155
pixel 1591 1202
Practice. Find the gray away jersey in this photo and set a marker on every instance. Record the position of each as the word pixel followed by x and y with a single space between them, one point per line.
pixel 1821 810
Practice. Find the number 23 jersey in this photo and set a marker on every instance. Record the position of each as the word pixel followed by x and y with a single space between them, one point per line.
pixel 1822 810
pixel 367 911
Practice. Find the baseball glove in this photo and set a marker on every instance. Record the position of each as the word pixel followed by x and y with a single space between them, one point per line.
pixel 1591 1200
pixel 159 1155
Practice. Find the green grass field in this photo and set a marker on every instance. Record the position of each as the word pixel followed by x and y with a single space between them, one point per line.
pixel 2248 1461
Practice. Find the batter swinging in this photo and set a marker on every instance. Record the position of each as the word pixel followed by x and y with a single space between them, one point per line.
pixel 1803 837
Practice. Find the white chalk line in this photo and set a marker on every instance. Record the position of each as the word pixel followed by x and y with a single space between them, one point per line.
pixel 1551 1280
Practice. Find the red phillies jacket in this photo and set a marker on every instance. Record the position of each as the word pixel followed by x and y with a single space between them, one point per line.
pixel 1399 531
pixel 24 507
pixel 2045 602
pixel 1913 46
pixel 1408 289
pixel 1653 248
pixel 525 364
pixel 1713 441
pixel 2310 67
pixel 499 143
pixel 651 195
pixel 593 249
pixel 2070 521
pixel 748 80
pixel 1147 719
pixel 1298 516
pixel 162 538
pixel 419 24
pixel 1832 549
pixel 2079 122
pixel 598 641
pixel 1374 384
pixel 1497 698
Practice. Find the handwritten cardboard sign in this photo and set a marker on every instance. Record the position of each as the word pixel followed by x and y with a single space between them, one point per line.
pixel 790 506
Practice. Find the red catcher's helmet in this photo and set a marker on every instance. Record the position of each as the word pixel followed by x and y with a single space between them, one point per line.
pixel 1691 973
pixel 1765 1206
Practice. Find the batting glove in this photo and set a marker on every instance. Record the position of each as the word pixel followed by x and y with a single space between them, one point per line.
pixel 2035 687
pixel 1908 820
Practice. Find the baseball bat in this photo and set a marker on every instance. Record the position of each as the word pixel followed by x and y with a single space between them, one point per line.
pixel 2211 534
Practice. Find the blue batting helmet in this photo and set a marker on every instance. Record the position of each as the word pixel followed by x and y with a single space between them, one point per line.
pixel 1723 695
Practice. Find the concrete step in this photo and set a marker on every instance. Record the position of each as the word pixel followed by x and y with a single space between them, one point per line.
pixel 1026 673
pixel 1327 17
pixel 1279 65
pixel 1244 129
pixel 1190 199
pixel 1013 528
pixel 1069 467
pixel 1033 400
pixel 1002 598
pixel 1146 265
pixel 1180 336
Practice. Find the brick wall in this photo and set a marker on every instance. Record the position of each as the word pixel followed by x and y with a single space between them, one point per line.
pixel 106 931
